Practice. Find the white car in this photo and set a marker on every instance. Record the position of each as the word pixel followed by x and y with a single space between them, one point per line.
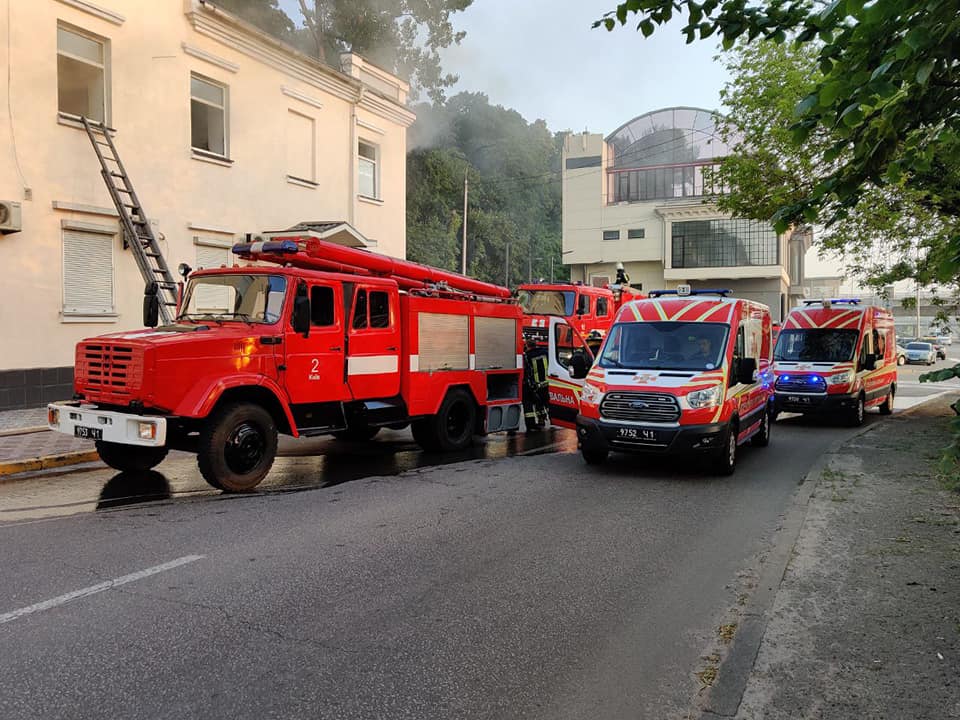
pixel 921 352
pixel 945 339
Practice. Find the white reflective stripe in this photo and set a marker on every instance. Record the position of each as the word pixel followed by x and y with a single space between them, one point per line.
pixel 373 364
pixel 473 361
pixel 414 363
pixel 519 362
pixel 257 247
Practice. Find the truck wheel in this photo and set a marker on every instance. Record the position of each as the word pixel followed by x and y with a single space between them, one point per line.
pixel 130 458
pixel 762 438
pixel 594 457
pixel 726 460
pixel 886 407
pixel 357 434
pixel 855 418
pixel 451 428
pixel 237 447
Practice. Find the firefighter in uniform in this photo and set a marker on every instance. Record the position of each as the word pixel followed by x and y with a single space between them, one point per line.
pixel 535 386
pixel 594 340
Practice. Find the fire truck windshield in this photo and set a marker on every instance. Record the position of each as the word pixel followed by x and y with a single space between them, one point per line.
pixel 249 298
pixel 816 345
pixel 665 346
pixel 547 302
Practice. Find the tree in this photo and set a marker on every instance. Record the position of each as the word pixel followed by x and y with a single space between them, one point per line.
pixel 887 94
pixel 402 36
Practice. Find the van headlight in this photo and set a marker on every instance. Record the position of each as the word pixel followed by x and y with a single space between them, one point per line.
pixel 708 398
pixel 591 395
pixel 843 378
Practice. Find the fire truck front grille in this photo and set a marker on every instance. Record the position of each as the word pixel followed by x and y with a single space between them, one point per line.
pixel 640 407
pixel 108 369
pixel 537 334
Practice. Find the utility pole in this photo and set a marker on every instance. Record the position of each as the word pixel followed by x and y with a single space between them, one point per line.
pixel 506 272
pixel 551 269
pixel 466 189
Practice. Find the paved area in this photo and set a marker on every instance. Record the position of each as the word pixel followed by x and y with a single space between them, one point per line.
pixel 20 419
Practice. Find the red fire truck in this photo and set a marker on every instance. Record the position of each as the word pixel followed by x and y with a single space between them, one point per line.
pixel 681 372
pixel 318 339
pixel 584 307
pixel 836 356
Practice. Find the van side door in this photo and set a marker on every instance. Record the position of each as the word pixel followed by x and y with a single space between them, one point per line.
pixel 563 342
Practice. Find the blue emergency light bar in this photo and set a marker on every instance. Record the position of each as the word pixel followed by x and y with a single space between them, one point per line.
pixel 661 293
pixel 278 247
pixel 833 301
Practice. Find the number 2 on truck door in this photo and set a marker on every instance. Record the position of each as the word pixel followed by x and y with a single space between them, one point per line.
pixel 315 363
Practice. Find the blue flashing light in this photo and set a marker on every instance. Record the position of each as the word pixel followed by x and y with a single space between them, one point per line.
pixel 833 301
pixel 718 291
pixel 273 247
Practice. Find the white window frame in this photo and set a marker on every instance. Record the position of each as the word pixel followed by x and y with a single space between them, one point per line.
pixel 225 109
pixel 79 314
pixel 103 67
pixel 312 180
pixel 376 169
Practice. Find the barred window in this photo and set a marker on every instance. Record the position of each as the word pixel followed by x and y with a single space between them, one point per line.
pixel 723 243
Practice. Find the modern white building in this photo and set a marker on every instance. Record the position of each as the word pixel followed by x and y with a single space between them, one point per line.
pixel 223 131
pixel 641 196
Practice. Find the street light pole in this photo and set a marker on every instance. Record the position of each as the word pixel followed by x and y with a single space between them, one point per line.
pixel 506 272
pixel 466 189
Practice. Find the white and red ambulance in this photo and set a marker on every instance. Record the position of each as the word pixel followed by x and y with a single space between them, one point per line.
pixel 836 356
pixel 686 372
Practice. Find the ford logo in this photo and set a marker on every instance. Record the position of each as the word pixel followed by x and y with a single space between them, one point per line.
pixel 637 405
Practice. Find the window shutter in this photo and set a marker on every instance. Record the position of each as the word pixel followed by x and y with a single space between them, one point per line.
pixel 87 273
pixel 210 297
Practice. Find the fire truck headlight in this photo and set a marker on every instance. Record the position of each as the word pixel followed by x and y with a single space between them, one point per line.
pixel 147 430
pixel 592 395
pixel 844 378
pixel 708 398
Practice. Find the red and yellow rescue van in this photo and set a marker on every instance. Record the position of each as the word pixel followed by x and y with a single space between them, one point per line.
pixel 835 356
pixel 685 372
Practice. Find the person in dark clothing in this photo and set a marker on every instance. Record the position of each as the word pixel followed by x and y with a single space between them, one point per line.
pixel 536 395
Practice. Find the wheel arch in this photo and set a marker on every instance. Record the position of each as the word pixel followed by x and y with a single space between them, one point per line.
pixel 258 395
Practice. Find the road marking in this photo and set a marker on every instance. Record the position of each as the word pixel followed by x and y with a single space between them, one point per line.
pixel 94 589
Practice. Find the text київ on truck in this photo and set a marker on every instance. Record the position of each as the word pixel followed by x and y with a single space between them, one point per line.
pixel 676 374
pixel 324 339
pixel 836 356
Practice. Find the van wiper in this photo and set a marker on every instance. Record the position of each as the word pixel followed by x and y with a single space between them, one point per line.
pixel 201 316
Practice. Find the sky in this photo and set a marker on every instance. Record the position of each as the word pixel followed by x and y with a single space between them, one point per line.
pixel 542 58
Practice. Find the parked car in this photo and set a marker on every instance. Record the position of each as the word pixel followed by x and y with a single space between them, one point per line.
pixel 938 347
pixel 921 352
pixel 901 354
pixel 945 339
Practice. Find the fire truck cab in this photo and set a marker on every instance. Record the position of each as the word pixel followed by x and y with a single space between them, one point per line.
pixel 685 372
pixel 584 307
pixel 836 356
pixel 317 339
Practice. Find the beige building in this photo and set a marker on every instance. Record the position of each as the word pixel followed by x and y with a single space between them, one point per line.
pixel 223 131
pixel 640 196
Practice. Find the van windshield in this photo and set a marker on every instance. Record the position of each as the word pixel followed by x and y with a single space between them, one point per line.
pixel 250 298
pixel 547 302
pixel 816 345
pixel 665 346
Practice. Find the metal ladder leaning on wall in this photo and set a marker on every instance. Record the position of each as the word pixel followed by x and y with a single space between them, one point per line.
pixel 136 227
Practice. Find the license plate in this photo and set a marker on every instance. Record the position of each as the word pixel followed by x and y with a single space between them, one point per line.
pixel 638 434
pixel 88 433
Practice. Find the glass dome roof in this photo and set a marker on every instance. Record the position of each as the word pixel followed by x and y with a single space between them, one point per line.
pixel 672 136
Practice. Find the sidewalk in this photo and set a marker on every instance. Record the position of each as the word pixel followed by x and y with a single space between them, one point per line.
pixel 26 445
pixel 866 620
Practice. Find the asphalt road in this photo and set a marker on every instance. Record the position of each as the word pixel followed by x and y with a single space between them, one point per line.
pixel 376 584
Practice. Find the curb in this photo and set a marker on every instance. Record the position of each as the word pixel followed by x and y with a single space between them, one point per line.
pixel 45 462
pixel 723 698
pixel 24 430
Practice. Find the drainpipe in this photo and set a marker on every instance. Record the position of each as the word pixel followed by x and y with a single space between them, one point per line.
pixel 352 199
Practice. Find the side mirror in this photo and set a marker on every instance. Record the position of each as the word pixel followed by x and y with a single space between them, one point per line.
pixel 301 315
pixel 747 371
pixel 151 305
pixel 578 366
pixel 871 362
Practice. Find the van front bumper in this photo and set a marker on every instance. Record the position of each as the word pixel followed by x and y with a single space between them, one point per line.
pixel 813 403
pixel 631 437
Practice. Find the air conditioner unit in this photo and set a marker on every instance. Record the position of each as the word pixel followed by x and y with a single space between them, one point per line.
pixel 10 217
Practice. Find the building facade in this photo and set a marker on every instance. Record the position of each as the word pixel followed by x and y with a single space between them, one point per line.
pixel 641 196
pixel 223 131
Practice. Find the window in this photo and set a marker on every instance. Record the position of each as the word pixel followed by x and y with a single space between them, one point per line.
pixel 208 116
pixel 81 74
pixel 301 147
pixel 369 185
pixel 611 234
pixel 379 310
pixel 360 310
pixel 601 307
pixel 723 243
pixel 213 298
pixel 87 273
pixel 321 306
pixel 636 234
pixel 583 305
pixel 661 183
pixel 739 352
pixel 599 281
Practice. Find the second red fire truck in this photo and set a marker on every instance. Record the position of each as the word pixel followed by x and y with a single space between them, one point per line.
pixel 321 339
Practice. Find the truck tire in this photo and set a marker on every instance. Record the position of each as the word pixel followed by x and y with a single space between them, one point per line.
pixel 725 461
pixel 357 434
pixel 237 447
pixel 855 416
pixel 886 407
pixel 451 428
pixel 130 458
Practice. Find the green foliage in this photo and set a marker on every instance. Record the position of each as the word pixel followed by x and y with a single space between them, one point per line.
pixel 514 196
pixel 885 99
